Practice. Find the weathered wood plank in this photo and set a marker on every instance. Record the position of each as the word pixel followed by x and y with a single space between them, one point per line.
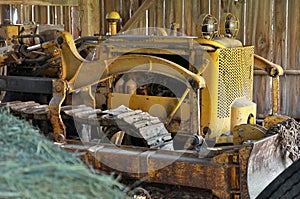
pixel 152 15
pixel 142 21
pixel 134 5
pixel 293 59
pixel 226 5
pixel 237 9
pixel 169 9
pixel 79 29
pixel 108 7
pixel 178 14
pixel 102 17
pixel 42 15
pixel 139 12
pixel 294 35
pixel 196 15
pixel 280 50
pixel 66 18
pixel 61 14
pixel 27 12
pixel 188 17
pixel 1 14
pixel 42 2
pixel 159 13
pixel 251 17
pixel 116 5
pixel 205 7
pixel 125 11
pixel 152 19
pixel 5 13
pixel 216 9
pixel 260 29
pixel 89 23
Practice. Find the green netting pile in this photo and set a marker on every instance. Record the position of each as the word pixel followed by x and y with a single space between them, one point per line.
pixel 33 167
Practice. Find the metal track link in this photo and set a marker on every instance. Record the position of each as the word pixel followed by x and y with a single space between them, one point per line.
pixel 135 123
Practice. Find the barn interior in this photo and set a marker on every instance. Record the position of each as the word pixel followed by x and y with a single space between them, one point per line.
pixel 179 99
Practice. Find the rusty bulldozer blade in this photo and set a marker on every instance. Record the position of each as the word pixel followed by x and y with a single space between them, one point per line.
pixel 265 163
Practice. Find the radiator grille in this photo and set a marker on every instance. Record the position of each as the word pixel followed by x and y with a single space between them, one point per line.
pixel 235 77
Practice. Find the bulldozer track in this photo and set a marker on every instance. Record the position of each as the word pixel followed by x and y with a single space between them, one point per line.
pixel 134 123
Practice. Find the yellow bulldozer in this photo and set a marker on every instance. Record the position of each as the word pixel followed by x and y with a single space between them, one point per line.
pixel 163 109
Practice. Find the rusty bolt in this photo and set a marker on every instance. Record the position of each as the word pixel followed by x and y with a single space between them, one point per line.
pixel 58 88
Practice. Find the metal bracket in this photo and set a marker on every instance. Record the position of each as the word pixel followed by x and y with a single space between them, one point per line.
pixel 59 95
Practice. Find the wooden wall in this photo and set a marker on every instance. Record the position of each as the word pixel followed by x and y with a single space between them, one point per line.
pixel 38 14
pixel 272 26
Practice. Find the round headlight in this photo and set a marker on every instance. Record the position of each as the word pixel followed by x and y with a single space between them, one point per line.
pixel 208 26
pixel 229 25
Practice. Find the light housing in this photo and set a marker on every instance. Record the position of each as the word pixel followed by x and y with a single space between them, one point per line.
pixel 208 27
pixel 229 25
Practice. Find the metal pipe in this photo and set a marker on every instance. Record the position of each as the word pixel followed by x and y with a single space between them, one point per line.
pixel 275 95
pixel 55 15
pixel 164 15
pixel 198 116
pixel 260 72
pixel 21 14
pixel 10 13
pixel 245 22
pixel 286 58
pixel 1 21
pixel 39 46
pixel 61 15
pixel 48 15
pixel 183 31
pixel 147 22
pixel 286 72
pixel 102 31
pixel 70 19
pixel 32 13
pixel 181 100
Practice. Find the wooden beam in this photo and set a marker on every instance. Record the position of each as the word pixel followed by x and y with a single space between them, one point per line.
pixel 137 15
pixel 42 2
pixel 89 22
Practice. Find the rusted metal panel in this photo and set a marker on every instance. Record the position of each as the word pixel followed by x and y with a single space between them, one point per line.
pixel 243 161
pixel 234 172
pixel 163 167
pixel 200 174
